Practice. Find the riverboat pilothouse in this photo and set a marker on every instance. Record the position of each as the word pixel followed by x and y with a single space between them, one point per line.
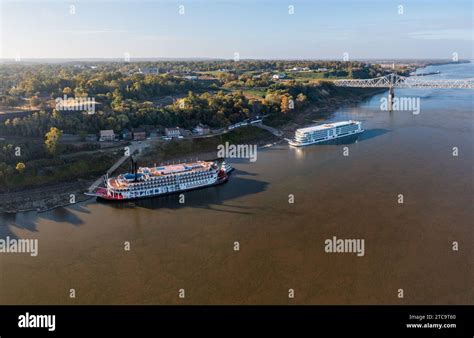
pixel 148 182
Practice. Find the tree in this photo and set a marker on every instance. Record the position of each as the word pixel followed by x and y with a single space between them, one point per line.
pixel 67 91
pixel 56 114
pixel 350 74
pixel 35 101
pixel 301 100
pixel 285 104
pixel 20 166
pixel 52 138
pixel 82 134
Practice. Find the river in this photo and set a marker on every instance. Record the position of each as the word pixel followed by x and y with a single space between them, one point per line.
pixel 191 246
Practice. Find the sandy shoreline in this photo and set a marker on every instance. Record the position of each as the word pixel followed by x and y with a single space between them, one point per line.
pixel 44 198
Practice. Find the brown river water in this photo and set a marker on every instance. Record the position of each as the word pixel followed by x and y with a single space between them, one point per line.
pixel 173 246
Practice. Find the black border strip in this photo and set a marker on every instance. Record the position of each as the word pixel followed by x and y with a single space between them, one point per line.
pixel 152 320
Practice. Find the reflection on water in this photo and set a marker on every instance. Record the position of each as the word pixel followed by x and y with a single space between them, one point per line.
pixel 281 244
pixel 200 198
pixel 328 146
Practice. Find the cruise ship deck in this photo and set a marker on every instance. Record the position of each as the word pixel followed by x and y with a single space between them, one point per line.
pixel 164 172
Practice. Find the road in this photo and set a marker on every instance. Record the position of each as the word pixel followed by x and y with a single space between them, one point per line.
pixel 274 131
pixel 134 146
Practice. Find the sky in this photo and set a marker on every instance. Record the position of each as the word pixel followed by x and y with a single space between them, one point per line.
pixel 258 29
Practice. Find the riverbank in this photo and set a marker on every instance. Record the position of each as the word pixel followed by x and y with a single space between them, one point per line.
pixel 320 113
pixel 53 182
pixel 43 198
pixel 204 148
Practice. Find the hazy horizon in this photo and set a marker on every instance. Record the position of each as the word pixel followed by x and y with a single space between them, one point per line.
pixel 197 58
pixel 218 29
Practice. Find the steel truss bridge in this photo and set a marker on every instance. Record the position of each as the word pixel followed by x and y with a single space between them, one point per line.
pixel 397 81
pixel 393 81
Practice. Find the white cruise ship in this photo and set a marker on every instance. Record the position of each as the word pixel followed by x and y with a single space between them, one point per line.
pixel 325 132
pixel 155 181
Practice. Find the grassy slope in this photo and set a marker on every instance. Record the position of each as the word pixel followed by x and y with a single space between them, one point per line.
pixel 56 170
pixel 192 147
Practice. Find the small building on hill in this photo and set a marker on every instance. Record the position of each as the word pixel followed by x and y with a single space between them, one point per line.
pixel 139 135
pixel 106 135
pixel 201 129
pixel 172 132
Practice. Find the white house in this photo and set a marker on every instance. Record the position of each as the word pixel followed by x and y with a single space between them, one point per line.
pixel 279 76
pixel 106 135
pixel 172 132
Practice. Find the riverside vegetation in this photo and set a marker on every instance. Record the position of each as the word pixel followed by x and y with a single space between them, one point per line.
pixel 150 96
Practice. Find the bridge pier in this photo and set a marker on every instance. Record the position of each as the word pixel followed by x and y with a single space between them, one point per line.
pixel 391 96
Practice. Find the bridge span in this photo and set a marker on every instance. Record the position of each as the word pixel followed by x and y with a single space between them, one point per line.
pixel 393 81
